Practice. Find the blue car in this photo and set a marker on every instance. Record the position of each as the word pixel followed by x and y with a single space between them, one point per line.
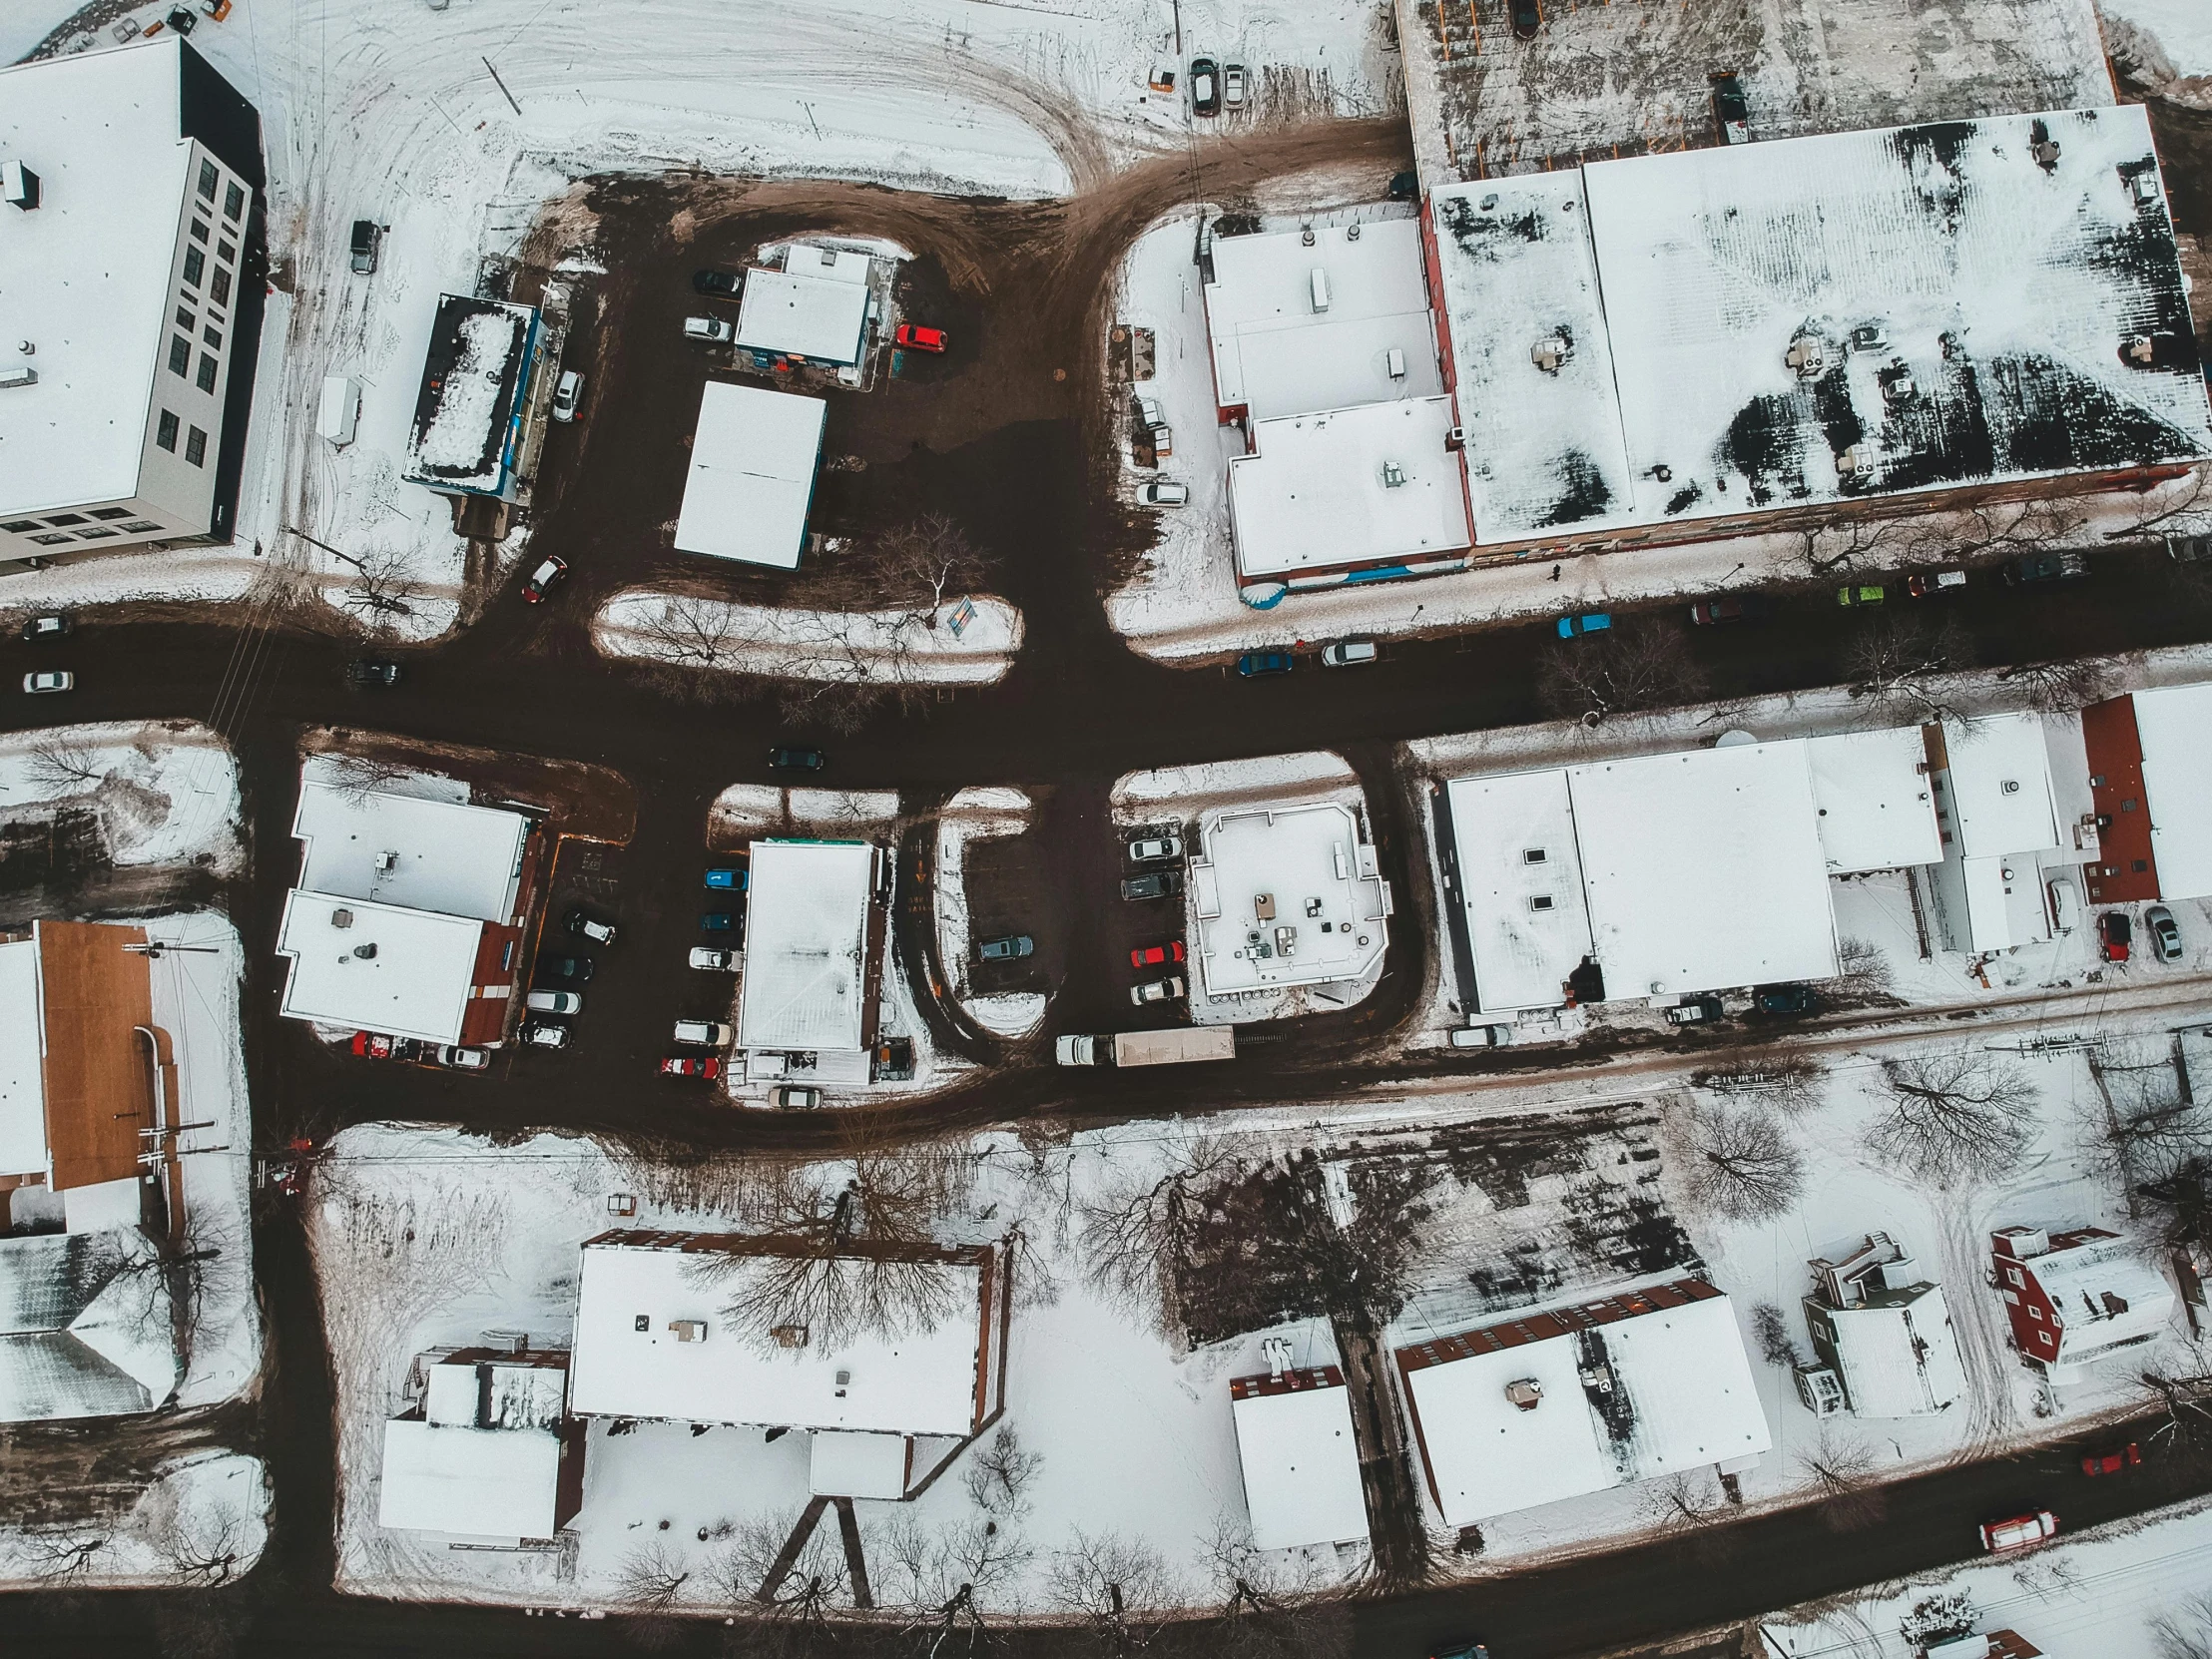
pixel 1590 621
pixel 1254 663
pixel 728 878
pixel 717 921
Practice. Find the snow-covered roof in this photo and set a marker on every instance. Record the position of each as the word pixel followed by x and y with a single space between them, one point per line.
pixel 1544 447
pixel 2177 783
pixel 472 1482
pixel 1875 799
pixel 1274 354
pixel 1349 486
pixel 2105 1295
pixel 1998 786
pixel 1528 925
pixel 1300 1463
pixel 1681 1396
pixel 1704 869
pixel 448 856
pixel 805 945
pixel 1898 1354
pixel 86 274
pixel 474 1392
pixel 844 1463
pixel 22 1071
pixel 1285 896
pixel 629 1360
pixel 2004 901
pixel 815 307
pixel 86 1327
pixel 751 474
pixel 475 374
pixel 414 981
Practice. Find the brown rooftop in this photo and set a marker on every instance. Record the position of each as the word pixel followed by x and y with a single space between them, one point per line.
pixel 99 1080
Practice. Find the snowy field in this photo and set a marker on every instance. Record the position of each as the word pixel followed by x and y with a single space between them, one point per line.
pixel 894 648
pixel 162 792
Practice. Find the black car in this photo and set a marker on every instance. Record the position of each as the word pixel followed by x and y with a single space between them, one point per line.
pixel 1734 607
pixel 718 284
pixel 2046 567
pixel 576 971
pixel 40 629
pixel 1785 999
pixel 1159 883
pixel 1526 19
pixel 367 237
pixel 1731 115
pixel 784 758
pixel 1205 86
pixel 587 926
pixel 373 671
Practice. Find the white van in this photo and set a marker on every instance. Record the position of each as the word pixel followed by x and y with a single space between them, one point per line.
pixel 1482 1036
pixel 2066 905
pixel 705 1033
pixel 341 409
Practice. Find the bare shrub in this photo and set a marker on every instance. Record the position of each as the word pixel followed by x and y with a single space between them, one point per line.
pixel 1862 971
pixel 1000 1473
pixel 1742 1164
pixel 1775 1345
pixel 2185 1631
pixel 1953 1114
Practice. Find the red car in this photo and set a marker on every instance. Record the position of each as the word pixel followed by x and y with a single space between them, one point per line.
pixel 690 1065
pixel 916 338
pixel 2127 1456
pixel 541 581
pixel 1156 956
pixel 371 1045
pixel 2117 932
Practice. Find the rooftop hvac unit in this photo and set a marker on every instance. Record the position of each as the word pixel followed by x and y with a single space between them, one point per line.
pixel 342 918
pixel 1868 336
pixel 1525 1392
pixel 1820 1390
pixel 689 1330
pixel 2045 152
pixel 386 862
pixel 1806 358
pixel 1394 361
pixel 1393 475
pixel 19 185
pixel 1276 1351
pixel 1550 353
pixel 789 1335
pixel 18 374
pixel 1852 461
pixel 1320 284
pixel 1352 231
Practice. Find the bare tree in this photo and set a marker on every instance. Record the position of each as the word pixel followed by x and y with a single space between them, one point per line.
pixel 1830 547
pixel 1788 1082
pixel 1953 1114
pixel 1264 1612
pixel 202 1546
pixel 1116 1586
pixel 1686 1501
pixel 2178 1200
pixel 691 628
pixel 2062 687
pixel 1899 667
pixel 2184 1631
pixel 922 563
pixel 740 1572
pixel 383 589
pixel 62 764
pixel 2184 1403
pixel 2187 513
pixel 358 776
pixel 1742 1165
pixel 1862 972
pixel 1000 1473
pixel 1630 668
pixel 1775 1345
pixel 2004 529
pixel 1137 1235
pixel 61 1557
pixel 1841 1469
pixel 649 1586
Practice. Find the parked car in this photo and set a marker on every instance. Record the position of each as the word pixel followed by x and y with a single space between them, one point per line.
pixel 1154 849
pixel 2046 567
pixel 372 671
pixel 566 395
pixel 704 1033
pixel 794 1097
pixel 1700 1011
pixel 1205 86
pixel 1156 956
pixel 786 758
pixel 2165 937
pixel 1011 948
pixel 2189 550
pixel 40 629
pixel 554 1002
pixel 1150 417
pixel 1349 653
pixel 587 926
pixel 1526 19
pixel 728 881
pixel 1165 492
pixel 577 969
pixel 916 338
pixel 1786 999
pixel 718 921
pixel 2112 1463
pixel 1590 621
pixel 1462 1650
pixel 454 1058
pixel 1159 883
pixel 708 958
pixel 368 236
pixel 49 680
pixel 1731 115
pixel 711 329
pixel 1232 86
pixel 1405 187
pixel 1734 607
pixel 716 284
pixel 2117 933
pixel 544 1033
pixel 1482 1036
pixel 2020 1532
pixel 1854 594
pixel 371 1045
pixel 1927 584
pixel 692 1065
pixel 1252 663
pixel 1157 990
pixel 550 570
pixel 2066 905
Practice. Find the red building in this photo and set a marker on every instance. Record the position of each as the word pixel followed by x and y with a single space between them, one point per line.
pixel 2075 1298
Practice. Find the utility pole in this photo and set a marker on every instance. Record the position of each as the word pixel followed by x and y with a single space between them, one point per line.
pixel 502 86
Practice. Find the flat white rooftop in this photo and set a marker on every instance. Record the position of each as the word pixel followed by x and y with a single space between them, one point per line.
pixel 86 274
pixel 2175 725
pixel 1285 896
pixel 1521 886
pixel 751 475
pixel 1274 354
pixel 1301 1465
pixel 1704 869
pixel 472 1482
pixel 2000 792
pixel 414 981
pixel 815 307
pixel 1875 799
pixel 442 855
pixel 1348 487
pixel 23 1148
pixel 628 1361
pixel 805 945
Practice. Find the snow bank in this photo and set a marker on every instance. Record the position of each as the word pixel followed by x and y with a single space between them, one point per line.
pixel 164 791
pixel 1314 774
pixel 845 647
pixel 745 810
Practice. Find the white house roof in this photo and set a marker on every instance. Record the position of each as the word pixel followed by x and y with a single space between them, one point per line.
pixel 628 1361
pixel 800 312
pixel 1874 800
pixel 473 1482
pixel 1544 448
pixel 2000 795
pixel 1522 953
pixel 751 474
pixel 1315 492
pixel 2104 1294
pixel 22 1065
pixel 1301 1465
pixel 2173 724
pixel 452 857
pixel 1681 1397
pixel 1900 1360
pixel 805 945
pixel 843 1463
pixel 1704 869
pixel 1277 355
pixel 416 983
pixel 1311 866
pixel 86 274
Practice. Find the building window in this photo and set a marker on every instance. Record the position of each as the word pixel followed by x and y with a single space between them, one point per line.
pixel 58 519
pixel 164 432
pixel 206 377
pixel 194 262
pixel 51 541
pixel 220 288
pixel 1532 855
pixel 2034 1313
pixel 233 200
pixel 110 512
pixel 180 354
pixel 200 230
pixel 186 319
pixel 213 336
pixel 195 447
pixel 139 526
pixel 207 178
pixel 225 253
pixel 2013 1274
pixel 20 526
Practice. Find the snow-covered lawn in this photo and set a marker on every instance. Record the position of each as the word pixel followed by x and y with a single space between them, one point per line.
pixel 977 815
pixel 894 648
pixel 163 792
pixel 745 810
pixel 202 1522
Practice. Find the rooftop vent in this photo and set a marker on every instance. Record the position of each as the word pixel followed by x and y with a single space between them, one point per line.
pixel 2045 152
pixel 2011 785
pixel 1393 475
pixel 1525 1392
pixel 1868 336
pixel 386 862
pixel 1806 358
pixel 1352 231
pixel 19 185
pixel 1896 382
pixel 1276 1351
pixel 689 1330
pixel 643 1322
pixel 342 918
pixel 366 952
pixel 1320 285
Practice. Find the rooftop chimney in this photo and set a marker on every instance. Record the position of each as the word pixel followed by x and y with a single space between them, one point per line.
pixel 19 185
